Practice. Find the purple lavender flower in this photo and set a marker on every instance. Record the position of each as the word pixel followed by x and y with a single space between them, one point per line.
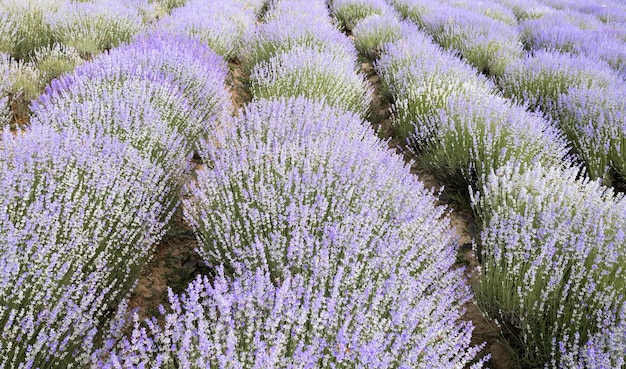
pixel 5 85
pixel 593 120
pixel 315 75
pixel 219 24
pixel 79 217
pixel 281 34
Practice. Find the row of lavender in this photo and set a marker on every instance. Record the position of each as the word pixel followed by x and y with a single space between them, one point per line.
pixel 553 242
pixel 89 189
pixel 573 72
pixel 329 252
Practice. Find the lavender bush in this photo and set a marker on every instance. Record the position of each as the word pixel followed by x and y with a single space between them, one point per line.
pixel 79 218
pixel 373 32
pixel 593 120
pixel 487 44
pixel 24 26
pixel 419 76
pixel 349 12
pixel 538 80
pixel 315 75
pixel 392 321
pixel 219 24
pixel 281 34
pixel 473 135
pixel 289 167
pixel 200 72
pixel 553 256
pixel 93 26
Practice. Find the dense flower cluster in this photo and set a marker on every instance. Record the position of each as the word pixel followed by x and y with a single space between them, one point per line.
pixel 553 250
pixel 350 12
pixel 338 254
pixel 78 217
pixel 219 24
pixel 89 189
pixel 485 42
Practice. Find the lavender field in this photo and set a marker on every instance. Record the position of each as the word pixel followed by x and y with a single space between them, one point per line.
pixel 312 184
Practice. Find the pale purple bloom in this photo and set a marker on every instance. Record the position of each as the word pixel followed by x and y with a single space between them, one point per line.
pixel 79 216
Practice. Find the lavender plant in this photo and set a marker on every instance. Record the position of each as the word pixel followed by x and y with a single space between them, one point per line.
pixel 349 12
pixel 593 120
pixel 374 31
pixel 487 44
pixel 200 72
pixel 93 26
pixel 538 80
pixel 219 24
pixel 79 218
pixel 473 135
pixel 285 170
pixel 282 34
pixel 315 75
pixel 553 269
pixel 419 76
pixel 25 26
pixel 391 321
